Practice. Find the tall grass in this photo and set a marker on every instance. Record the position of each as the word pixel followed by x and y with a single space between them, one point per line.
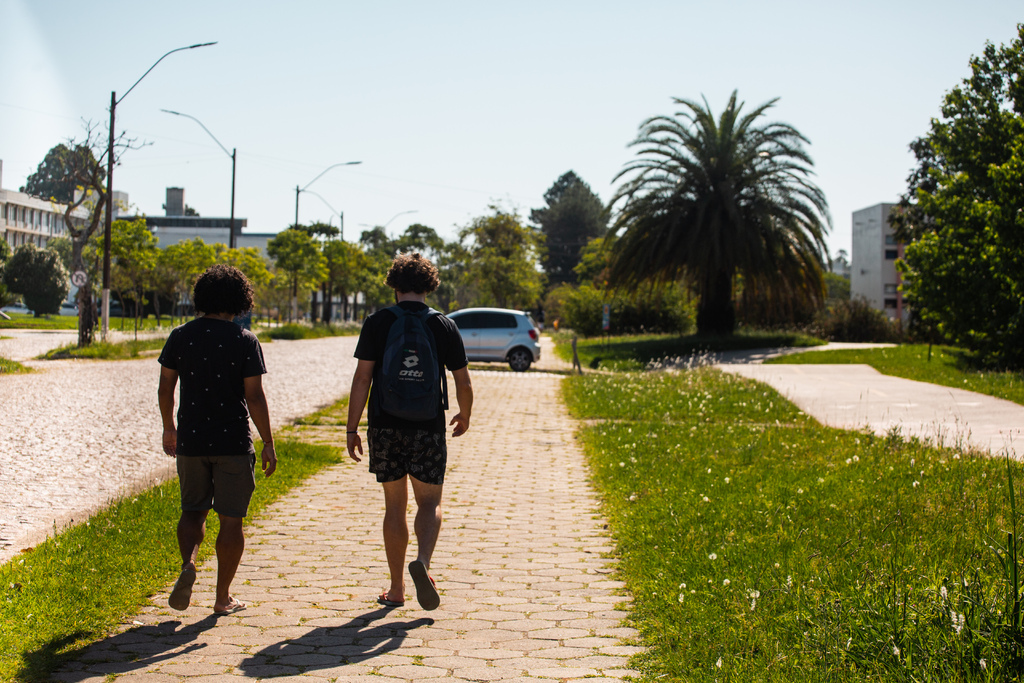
pixel 296 331
pixel 125 350
pixel 761 546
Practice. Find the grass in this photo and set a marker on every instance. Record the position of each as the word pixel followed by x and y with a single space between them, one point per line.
pixel 636 352
pixel 125 350
pixel 22 321
pixel 12 367
pixel 947 367
pixel 760 546
pixel 78 586
pixel 297 331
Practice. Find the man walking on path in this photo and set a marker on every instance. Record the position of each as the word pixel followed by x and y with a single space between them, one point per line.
pixel 406 444
pixel 221 368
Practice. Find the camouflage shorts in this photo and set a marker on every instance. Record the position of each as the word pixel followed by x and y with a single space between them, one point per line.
pixel 419 453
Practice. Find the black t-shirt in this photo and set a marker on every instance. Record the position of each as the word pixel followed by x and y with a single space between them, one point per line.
pixel 212 358
pixel 373 338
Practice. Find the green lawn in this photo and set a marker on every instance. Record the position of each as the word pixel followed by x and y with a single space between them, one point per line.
pixel 761 546
pixel 635 352
pixel 21 321
pixel 12 367
pixel 946 367
pixel 76 587
pixel 125 350
pixel 297 331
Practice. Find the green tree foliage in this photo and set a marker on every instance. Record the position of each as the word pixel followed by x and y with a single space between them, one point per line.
pixel 298 257
pixel 963 214
pixel 344 262
pixel 503 260
pixel 61 245
pixel 249 260
pixel 6 296
pixel 183 262
pixel 133 259
pixel 574 215
pixel 56 178
pixel 662 310
pixel 837 286
pixel 708 200
pixel 39 276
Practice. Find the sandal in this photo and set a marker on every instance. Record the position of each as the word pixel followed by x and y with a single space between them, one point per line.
pixel 426 589
pixel 382 599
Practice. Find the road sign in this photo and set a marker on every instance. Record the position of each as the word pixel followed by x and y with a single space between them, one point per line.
pixel 79 278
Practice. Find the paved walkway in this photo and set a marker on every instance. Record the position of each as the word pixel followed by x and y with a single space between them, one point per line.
pixel 521 565
pixel 859 397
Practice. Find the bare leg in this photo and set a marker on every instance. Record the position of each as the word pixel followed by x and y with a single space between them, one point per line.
pixel 230 544
pixel 396 535
pixel 191 531
pixel 428 518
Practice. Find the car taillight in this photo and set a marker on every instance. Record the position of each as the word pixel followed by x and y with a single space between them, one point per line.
pixel 533 334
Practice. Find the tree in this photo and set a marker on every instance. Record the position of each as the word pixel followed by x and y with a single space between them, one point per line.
pixel 343 261
pixel 133 257
pixel 58 175
pixel 504 260
pixel 709 200
pixel 963 266
pixel 296 254
pixel 183 262
pixel 38 275
pixel 62 246
pixel 6 296
pixel 574 215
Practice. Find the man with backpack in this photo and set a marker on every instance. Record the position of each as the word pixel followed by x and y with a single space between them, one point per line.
pixel 402 352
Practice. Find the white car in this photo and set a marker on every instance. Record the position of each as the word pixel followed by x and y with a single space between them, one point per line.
pixel 499 335
pixel 16 308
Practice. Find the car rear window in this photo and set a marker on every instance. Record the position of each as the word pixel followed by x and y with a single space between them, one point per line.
pixel 498 320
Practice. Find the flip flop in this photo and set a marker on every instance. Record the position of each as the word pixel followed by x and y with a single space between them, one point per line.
pixel 181 594
pixel 382 599
pixel 235 606
pixel 426 589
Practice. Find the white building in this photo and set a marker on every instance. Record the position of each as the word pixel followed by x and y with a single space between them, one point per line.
pixel 25 219
pixel 175 226
pixel 873 274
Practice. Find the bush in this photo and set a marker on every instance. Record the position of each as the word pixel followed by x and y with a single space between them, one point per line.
pixel 855 321
pixel 666 310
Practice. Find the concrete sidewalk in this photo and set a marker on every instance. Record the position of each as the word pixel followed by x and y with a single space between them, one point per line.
pixel 858 396
pixel 521 566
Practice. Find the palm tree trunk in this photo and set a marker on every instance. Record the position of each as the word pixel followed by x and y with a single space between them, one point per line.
pixel 716 312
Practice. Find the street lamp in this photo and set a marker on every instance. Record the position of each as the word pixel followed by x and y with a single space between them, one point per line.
pixel 339 214
pixel 114 101
pixel 299 190
pixel 400 213
pixel 232 154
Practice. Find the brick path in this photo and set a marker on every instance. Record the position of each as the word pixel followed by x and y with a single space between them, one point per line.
pixel 521 565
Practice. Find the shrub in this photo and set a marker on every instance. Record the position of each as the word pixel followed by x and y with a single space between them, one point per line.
pixel 855 321
pixel 666 310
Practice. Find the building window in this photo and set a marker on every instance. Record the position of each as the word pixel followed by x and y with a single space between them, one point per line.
pixel 890 303
pixel 891 254
pixel 890 289
pixel 890 239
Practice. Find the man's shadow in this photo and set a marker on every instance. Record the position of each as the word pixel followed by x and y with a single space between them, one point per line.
pixel 325 647
pixel 131 650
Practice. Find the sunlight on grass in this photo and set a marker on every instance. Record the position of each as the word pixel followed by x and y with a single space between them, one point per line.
pixel 125 350
pixel 12 367
pixel 947 367
pixel 294 331
pixel 759 545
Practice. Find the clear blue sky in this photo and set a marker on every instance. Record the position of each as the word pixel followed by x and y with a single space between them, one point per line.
pixel 452 106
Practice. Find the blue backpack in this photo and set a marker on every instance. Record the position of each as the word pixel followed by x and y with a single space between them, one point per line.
pixel 412 384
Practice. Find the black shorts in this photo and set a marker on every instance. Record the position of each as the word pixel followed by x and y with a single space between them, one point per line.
pixel 222 482
pixel 420 453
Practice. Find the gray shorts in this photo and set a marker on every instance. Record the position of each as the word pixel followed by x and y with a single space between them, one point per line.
pixel 419 453
pixel 222 482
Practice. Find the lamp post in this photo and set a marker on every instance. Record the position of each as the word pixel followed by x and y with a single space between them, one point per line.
pixel 400 213
pixel 232 154
pixel 114 101
pixel 339 214
pixel 299 190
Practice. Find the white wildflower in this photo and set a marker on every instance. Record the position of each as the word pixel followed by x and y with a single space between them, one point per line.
pixel 856 458
pixel 849 642
pixel 706 499
pixel 776 565
pixel 712 556
pixel 912 461
pixel 681 595
pixel 944 593
pixel 800 491
pixel 727 480
pixel 719 662
pixel 789 582
pixel 622 464
pixel 820 480
pixel 848 461
pixel 958 621
pixel 726 582
pixel 983 664
pixel 895 650
pixel 916 484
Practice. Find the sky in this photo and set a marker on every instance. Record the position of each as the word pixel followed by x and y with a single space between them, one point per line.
pixel 452 107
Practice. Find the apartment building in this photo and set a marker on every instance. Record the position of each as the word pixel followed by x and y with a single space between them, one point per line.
pixel 873 273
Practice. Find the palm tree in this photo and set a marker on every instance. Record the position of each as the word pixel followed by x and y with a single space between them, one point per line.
pixel 707 201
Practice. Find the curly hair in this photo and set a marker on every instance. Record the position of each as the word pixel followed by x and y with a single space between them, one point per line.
pixel 222 289
pixel 412 273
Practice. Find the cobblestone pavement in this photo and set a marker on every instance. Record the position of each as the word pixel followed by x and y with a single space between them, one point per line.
pixel 521 565
pixel 77 434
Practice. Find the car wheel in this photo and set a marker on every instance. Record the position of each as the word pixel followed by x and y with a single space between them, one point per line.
pixel 519 359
